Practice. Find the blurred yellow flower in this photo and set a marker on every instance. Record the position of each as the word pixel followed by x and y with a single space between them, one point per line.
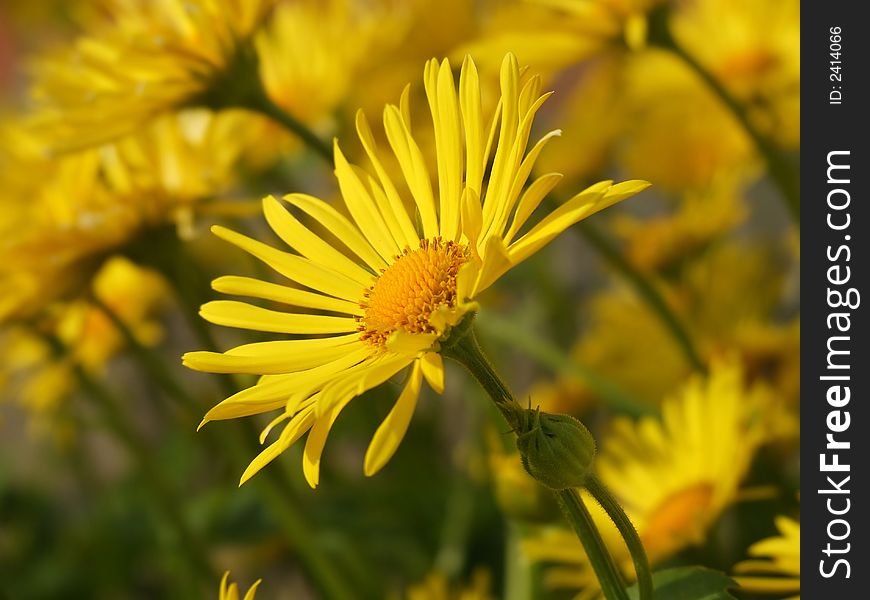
pixel 231 591
pixel 132 293
pixel 554 34
pixel 661 243
pixel 60 221
pixel 436 587
pixel 753 48
pixel 708 293
pixel 406 288
pixel 312 54
pixel 136 59
pixel 37 378
pixel 673 477
pixel 776 564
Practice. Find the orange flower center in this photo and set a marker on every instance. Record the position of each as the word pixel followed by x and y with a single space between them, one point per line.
pixel 411 289
pixel 678 520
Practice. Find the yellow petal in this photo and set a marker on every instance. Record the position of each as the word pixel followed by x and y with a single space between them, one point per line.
pixel 432 367
pixel 309 245
pixel 294 430
pixel 293 356
pixel 231 313
pixel 336 223
pixel 391 431
pixel 472 121
pixel 294 267
pixel 530 200
pixel 413 168
pixel 403 222
pixel 255 288
pixel 363 209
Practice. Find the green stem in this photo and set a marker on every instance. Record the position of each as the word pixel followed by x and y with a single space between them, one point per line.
pixel 781 171
pixel 261 103
pixel 647 291
pixel 632 540
pixel 548 355
pixel 463 347
pixel 602 563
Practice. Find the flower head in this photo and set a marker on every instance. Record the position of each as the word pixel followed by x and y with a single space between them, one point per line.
pixel 398 276
pixel 776 563
pixel 230 591
pixel 136 60
pixel 674 477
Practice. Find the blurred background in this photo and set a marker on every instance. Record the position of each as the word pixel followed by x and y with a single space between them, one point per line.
pixel 670 324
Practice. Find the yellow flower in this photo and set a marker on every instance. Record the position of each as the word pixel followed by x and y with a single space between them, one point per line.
pixel 673 477
pixel 138 58
pixel 312 54
pixel 753 48
pixel 414 275
pixel 133 293
pixel 776 568
pixel 37 379
pixel 662 243
pixel 60 221
pixel 554 34
pixel 231 591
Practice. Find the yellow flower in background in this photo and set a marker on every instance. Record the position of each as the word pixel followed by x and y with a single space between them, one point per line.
pixel 674 477
pixel 776 564
pixel 708 293
pixel 39 380
pixel 230 591
pixel 133 294
pixel 753 48
pixel 672 116
pixel 554 34
pixel 136 59
pixel 662 243
pixel 414 275
pixel 436 587
pixel 31 377
pixel 60 221
pixel 312 54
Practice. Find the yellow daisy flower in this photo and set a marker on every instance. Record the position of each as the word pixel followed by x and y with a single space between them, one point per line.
pixel 411 274
pixel 674 477
pixel 776 568
pixel 230 591
pixel 136 59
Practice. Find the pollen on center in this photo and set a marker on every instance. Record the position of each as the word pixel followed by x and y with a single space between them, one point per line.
pixel 407 292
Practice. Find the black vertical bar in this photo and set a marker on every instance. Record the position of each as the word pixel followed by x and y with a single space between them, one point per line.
pixel 834 265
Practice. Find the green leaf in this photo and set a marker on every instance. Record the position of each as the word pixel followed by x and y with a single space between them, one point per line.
pixel 689 583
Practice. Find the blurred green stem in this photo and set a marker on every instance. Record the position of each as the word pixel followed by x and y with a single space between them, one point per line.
pixel 149 359
pixel 781 171
pixel 632 540
pixel 190 545
pixel 261 103
pixel 239 445
pixel 646 290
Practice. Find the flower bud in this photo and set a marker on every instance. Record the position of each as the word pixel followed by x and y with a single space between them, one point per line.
pixel 557 450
